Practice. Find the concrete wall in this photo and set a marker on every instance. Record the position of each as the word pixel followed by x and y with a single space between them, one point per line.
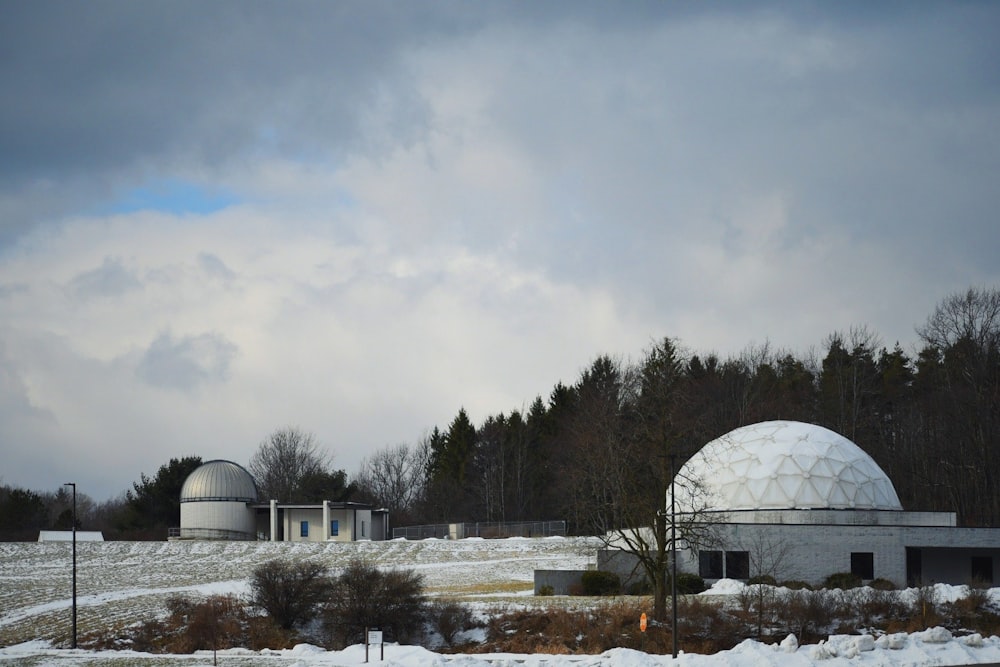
pixel 563 582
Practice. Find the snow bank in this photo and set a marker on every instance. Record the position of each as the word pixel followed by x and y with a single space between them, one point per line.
pixel 935 646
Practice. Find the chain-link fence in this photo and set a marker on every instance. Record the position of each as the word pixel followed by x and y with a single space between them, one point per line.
pixel 484 529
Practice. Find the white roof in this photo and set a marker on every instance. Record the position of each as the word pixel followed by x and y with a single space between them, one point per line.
pixel 67 536
pixel 786 465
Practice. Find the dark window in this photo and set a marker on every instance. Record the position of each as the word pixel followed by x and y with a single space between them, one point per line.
pixel 710 564
pixel 334 527
pixel 982 569
pixel 738 564
pixel 863 565
pixel 304 529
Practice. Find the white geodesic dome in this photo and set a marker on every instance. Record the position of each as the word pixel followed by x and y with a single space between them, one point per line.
pixel 787 465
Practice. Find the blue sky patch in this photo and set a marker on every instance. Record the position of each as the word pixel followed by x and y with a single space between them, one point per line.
pixel 172 196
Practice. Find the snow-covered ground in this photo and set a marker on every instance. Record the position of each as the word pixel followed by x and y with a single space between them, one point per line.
pixel 122 582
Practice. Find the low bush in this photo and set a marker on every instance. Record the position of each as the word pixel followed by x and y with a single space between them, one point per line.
pixel 216 622
pixel 546 590
pixel 796 585
pixel 842 580
pixel 642 587
pixel 881 584
pixel 599 582
pixel 689 584
pixel 807 614
pixel 762 579
pixel 449 619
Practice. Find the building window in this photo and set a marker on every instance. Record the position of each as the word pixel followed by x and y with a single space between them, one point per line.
pixel 982 569
pixel 863 565
pixel 334 527
pixel 738 564
pixel 362 528
pixel 710 564
pixel 303 528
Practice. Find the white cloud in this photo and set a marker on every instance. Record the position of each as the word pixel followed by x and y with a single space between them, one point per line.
pixel 465 208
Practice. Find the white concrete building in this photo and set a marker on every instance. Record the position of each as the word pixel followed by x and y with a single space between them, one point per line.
pixel 219 502
pixel 799 502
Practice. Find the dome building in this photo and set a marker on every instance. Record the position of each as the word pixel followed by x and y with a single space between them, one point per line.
pixel 800 502
pixel 780 465
pixel 219 501
pixel 216 503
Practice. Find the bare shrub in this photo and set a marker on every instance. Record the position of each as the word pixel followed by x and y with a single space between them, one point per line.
pixel 758 605
pixel 706 627
pixel 365 597
pixel 449 619
pixel 871 606
pixel 288 591
pixel 923 612
pixel 805 613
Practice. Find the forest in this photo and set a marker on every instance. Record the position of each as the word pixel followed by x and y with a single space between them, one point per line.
pixel 598 452
pixel 597 449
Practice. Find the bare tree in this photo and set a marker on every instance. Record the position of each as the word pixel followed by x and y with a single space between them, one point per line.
pixel 287 463
pixel 393 477
pixel 652 440
pixel 767 556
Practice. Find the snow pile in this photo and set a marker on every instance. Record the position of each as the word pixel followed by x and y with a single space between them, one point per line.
pixel 931 647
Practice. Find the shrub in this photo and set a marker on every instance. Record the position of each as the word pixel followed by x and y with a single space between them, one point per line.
pixel 689 584
pixel 881 584
pixel 762 579
pixel 449 619
pixel 797 585
pixel 870 605
pixel 289 591
pixel 642 587
pixel 365 597
pixel 546 590
pixel 807 613
pixel 842 580
pixel 599 582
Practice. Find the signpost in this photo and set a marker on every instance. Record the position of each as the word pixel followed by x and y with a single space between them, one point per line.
pixel 373 636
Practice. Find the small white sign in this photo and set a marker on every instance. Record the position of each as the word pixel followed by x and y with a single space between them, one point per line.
pixel 374 636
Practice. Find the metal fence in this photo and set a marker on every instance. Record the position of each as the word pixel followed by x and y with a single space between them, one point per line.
pixel 484 529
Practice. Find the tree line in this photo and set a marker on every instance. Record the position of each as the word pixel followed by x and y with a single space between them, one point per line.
pixel 599 449
pixel 598 452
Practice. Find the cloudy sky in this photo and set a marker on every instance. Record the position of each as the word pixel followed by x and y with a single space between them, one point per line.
pixel 217 219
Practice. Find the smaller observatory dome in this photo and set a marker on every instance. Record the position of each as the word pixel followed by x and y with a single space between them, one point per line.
pixel 219 480
pixel 788 465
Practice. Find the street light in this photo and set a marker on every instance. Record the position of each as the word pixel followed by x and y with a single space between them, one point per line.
pixel 673 555
pixel 73 484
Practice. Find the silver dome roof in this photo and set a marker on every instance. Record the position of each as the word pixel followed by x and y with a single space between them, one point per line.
pixel 219 480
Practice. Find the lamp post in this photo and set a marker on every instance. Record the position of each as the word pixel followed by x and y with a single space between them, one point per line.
pixel 73 484
pixel 673 556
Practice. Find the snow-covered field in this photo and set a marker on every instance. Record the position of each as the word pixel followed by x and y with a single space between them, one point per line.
pixel 123 582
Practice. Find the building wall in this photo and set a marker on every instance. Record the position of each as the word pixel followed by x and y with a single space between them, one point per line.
pixel 293 518
pixel 812 552
pixel 809 553
pixel 352 524
pixel 217 515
